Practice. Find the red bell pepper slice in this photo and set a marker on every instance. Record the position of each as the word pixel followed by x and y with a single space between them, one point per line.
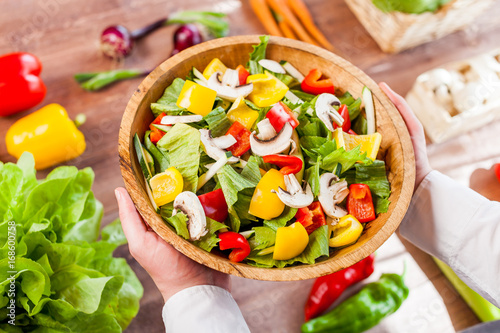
pixel 327 289
pixel 360 203
pixel 242 136
pixel 235 241
pixel 344 112
pixel 214 204
pixel 313 85
pixel 311 217
pixel 156 134
pixel 242 74
pixel 497 171
pixel 21 87
pixel 350 131
pixel 279 115
pixel 288 164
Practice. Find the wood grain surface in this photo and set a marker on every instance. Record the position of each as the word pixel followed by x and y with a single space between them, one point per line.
pixel 64 34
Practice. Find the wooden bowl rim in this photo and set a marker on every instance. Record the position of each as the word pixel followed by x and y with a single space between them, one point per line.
pixel 294 273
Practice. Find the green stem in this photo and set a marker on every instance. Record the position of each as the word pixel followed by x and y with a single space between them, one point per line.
pixel 80 119
pixel 99 80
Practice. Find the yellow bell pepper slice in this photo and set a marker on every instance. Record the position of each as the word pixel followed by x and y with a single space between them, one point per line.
pixel 242 113
pixel 196 98
pixel 166 186
pixel 338 137
pixel 290 241
pixel 214 66
pixel 267 89
pixel 266 204
pixel 346 232
pixel 369 143
pixel 48 134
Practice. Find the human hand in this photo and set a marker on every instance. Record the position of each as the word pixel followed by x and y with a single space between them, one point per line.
pixel 170 270
pixel 416 134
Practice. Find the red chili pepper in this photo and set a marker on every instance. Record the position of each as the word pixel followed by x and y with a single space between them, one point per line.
pixel 311 217
pixel 288 164
pixel 497 171
pixel 328 288
pixel 214 204
pixel 344 112
pixel 235 241
pixel 242 136
pixel 279 115
pixel 20 85
pixel 313 85
pixel 360 203
pixel 242 74
pixel 156 134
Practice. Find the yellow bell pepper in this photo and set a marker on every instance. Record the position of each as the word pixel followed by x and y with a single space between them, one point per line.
pixel 242 113
pixel 196 98
pixel 48 134
pixel 214 66
pixel 290 241
pixel 267 89
pixel 166 186
pixel 370 144
pixel 266 204
pixel 346 232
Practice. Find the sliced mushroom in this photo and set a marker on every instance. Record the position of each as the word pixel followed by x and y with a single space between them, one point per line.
pixel 266 130
pixel 332 191
pixel 188 203
pixel 225 141
pixel 274 145
pixel 170 120
pixel 295 196
pixel 227 92
pixel 211 147
pixel 231 78
pixel 326 112
pixel 272 66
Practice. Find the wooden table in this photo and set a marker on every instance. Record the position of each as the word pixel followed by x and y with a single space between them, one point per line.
pixel 64 35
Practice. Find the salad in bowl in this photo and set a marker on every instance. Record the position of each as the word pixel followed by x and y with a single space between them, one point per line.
pixel 264 164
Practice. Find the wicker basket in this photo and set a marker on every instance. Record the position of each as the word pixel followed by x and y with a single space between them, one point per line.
pixel 397 31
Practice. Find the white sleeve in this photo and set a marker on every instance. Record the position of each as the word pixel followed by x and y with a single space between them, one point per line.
pixel 203 309
pixel 460 227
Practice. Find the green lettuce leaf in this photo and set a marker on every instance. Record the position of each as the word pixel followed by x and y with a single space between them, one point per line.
pixel 179 222
pixel 347 159
pixel 264 237
pixel 168 102
pixel 218 122
pixel 210 240
pixel 182 144
pixel 160 158
pixel 281 220
pixel 409 6
pixel 312 175
pixel 258 53
pixel 317 248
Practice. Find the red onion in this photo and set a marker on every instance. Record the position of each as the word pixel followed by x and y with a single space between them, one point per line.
pixel 185 36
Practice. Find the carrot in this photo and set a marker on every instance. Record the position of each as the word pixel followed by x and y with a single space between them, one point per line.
pixel 280 7
pixel 265 17
pixel 287 31
pixel 300 9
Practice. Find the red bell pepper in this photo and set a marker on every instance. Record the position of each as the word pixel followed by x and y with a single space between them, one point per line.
pixel 281 114
pixel 242 74
pixel 242 136
pixel 21 87
pixel 235 241
pixel 288 164
pixel 360 203
pixel 156 134
pixel 497 171
pixel 350 131
pixel 327 289
pixel 313 85
pixel 214 204
pixel 344 112
pixel 311 217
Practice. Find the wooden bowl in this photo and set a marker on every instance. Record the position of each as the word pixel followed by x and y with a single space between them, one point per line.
pixel 396 148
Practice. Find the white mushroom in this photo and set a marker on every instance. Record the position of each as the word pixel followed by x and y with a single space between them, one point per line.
pixel 231 78
pixel 170 120
pixel 332 191
pixel 211 147
pixel 326 112
pixel 188 203
pixel 274 145
pixel 225 141
pixel 227 92
pixel 272 66
pixel 266 130
pixel 295 196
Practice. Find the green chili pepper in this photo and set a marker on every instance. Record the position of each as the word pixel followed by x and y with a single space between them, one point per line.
pixel 364 310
